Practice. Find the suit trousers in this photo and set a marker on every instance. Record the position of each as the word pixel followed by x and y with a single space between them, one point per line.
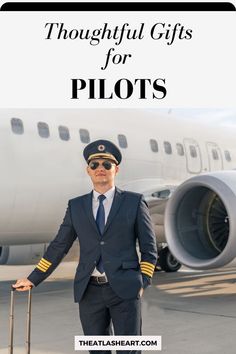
pixel 101 309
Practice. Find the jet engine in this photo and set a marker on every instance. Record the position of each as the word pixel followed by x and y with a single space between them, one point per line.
pixel 21 254
pixel 200 220
pixel 31 254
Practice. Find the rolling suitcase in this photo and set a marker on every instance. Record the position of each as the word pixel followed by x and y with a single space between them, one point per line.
pixel 28 325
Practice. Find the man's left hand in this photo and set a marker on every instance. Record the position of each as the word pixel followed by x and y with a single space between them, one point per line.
pixel 141 292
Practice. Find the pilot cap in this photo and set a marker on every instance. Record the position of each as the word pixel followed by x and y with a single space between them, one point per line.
pixel 102 149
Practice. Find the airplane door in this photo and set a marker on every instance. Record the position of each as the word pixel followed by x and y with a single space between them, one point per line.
pixel 193 156
pixel 214 157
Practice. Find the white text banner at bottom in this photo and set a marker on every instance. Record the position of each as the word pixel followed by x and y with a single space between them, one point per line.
pixel 118 343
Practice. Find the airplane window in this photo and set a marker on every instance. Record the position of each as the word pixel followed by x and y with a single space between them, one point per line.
pixel 122 141
pixel 64 133
pixel 154 145
pixel 84 136
pixel 43 130
pixel 227 155
pixel 180 149
pixel 17 126
pixel 167 147
pixel 215 154
pixel 193 151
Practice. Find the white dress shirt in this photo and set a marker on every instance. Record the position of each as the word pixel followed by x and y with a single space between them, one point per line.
pixel 107 207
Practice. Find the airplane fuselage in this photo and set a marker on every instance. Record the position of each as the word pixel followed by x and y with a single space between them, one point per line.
pixel 40 171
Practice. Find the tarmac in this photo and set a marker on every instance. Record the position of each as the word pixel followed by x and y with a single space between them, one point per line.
pixel 193 311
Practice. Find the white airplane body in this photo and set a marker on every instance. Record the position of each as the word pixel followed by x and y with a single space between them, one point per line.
pixel 40 174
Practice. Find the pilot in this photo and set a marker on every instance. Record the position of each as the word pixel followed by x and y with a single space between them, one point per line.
pixel 110 278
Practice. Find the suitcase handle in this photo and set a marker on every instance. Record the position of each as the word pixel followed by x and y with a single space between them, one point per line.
pixel 28 324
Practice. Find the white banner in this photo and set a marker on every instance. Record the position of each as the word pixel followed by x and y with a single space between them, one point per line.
pixel 118 343
pixel 126 59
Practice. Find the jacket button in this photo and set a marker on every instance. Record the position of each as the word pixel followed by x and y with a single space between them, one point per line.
pixel 102 243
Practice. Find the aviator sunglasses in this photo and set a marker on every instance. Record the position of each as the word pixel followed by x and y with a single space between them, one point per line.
pixel 106 164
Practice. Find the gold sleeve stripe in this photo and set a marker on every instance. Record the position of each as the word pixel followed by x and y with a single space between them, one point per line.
pixel 47 262
pixel 43 270
pixel 148 264
pixel 42 266
pixel 147 267
pixel 146 272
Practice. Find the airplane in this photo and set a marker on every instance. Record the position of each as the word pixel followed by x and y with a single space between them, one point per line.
pixel 185 169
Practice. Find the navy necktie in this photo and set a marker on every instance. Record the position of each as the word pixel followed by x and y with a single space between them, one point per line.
pixel 100 221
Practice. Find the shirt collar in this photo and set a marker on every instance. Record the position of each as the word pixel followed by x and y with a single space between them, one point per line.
pixel 109 194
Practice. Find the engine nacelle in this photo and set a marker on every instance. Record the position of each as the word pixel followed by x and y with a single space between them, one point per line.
pixel 200 220
pixel 21 254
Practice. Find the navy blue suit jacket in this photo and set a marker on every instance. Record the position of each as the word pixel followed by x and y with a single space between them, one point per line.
pixel 128 221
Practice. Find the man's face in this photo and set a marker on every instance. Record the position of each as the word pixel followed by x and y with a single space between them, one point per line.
pixel 101 175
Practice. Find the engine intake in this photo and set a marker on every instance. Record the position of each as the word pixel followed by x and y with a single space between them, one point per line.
pixel 200 220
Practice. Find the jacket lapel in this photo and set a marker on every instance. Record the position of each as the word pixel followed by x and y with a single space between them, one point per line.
pixel 89 211
pixel 118 198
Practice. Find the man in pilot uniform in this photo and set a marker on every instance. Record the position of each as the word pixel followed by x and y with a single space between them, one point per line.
pixel 109 279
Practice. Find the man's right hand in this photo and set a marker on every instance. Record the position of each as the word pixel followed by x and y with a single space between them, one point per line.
pixel 23 285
